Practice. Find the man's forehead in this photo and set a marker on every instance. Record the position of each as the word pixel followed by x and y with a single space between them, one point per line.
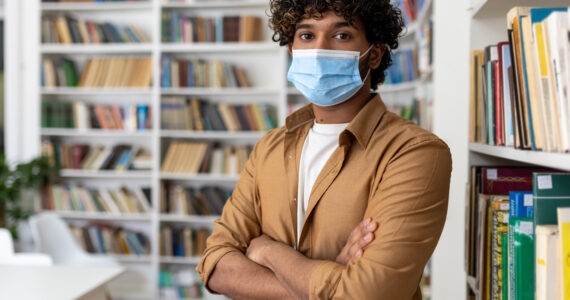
pixel 328 19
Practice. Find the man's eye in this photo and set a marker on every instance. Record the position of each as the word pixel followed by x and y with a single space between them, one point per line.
pixel 342 36
pixel 305 36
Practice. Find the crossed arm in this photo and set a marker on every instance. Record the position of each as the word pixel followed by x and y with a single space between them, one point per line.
pixel 273 270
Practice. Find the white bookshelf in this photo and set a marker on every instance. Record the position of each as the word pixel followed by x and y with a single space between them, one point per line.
pixel 95 133
pixel 487 26
pixel 96 49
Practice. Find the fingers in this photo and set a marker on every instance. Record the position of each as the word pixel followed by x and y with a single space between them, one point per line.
pixel 357 249
pixel 359 238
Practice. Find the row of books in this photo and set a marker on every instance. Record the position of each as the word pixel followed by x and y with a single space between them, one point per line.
pixel 404 67
pixel 105 72
pixel 193 114
pixel 86 157
pixel 182 241
pixel 408 112
pixel 518 87
pixel 199 73
pixel 107 239
pixel 518 233
pixel 177 28
pixel 71 1
pixel 67 30
pixel 71 197
pixel 180 284
pixel 201 157
pixel 80 115
pixel 181 200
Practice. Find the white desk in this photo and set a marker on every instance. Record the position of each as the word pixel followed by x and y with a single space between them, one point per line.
pixel 55 282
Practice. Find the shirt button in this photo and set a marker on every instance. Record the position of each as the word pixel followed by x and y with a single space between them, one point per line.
pixel 294 199
pixel 291 156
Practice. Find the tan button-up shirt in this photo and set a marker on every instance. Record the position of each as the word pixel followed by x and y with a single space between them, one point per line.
pixel 385 167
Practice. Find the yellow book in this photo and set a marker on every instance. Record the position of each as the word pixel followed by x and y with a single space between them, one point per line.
pixel 564 228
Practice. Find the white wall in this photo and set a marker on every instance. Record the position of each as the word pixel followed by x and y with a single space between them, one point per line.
pixel 451 103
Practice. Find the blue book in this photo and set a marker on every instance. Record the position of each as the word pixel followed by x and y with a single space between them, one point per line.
pixel 520 204
pixel 174 20
pixel 190 74
pixel 142 114
pixel 219 29
pixel 166 71
pixel 132 35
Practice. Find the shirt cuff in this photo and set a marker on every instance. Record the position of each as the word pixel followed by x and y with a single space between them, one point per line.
pixel 324 280
pixel 209 262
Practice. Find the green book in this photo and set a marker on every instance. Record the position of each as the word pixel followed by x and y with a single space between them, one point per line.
pixel 505 265
pixel 550 191
pixel 71 77
pixel 521 264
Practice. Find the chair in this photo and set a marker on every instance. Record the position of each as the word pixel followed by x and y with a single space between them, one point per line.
pixel 53 237
pixel 8 257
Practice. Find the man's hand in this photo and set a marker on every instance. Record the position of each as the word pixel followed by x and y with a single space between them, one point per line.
pixel 361 236
pixel 256 248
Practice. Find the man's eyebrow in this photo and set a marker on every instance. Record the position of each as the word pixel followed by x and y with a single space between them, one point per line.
pixel 335 25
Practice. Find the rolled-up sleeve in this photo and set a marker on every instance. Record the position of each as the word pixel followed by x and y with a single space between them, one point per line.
pixel 238 225
pixel 410 206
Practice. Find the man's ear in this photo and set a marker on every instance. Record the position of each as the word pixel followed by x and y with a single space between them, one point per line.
pixel 376 54
pixel 290 46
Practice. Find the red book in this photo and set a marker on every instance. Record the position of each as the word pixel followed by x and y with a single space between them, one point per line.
pixel 500 181
pixel 498 105
pixel 78 153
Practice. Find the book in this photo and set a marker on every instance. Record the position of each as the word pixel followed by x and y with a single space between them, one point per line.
pixel 547 237
pixel 521 270
pixel 103 239
pixel 550 191
pixel 499 226
pixel 201 74
pixel 564 250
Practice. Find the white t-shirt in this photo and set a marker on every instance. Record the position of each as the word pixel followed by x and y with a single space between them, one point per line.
pixel 319 145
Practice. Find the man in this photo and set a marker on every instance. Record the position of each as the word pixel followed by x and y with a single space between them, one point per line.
pixel 346 201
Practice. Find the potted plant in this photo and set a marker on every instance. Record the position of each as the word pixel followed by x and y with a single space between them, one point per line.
pixel 28 175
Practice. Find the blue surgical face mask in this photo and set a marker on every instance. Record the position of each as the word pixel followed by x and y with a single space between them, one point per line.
pixel 326 77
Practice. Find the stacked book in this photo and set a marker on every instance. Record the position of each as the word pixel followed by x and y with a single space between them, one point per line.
pixel 182 241
pixel 180 200
pixel 199 73
pixel 107 72
pixel 86 157
pixel 67 30
pixel 519 86
pixel 177 28
pixel 180 284
pixel 80 115
pixel 78 198
pixel 404 67
pixel 181 113
pixel 517 239
pixel 106 239
pixel 201 157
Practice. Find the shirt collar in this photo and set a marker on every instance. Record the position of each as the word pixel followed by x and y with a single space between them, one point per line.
pixel 362 125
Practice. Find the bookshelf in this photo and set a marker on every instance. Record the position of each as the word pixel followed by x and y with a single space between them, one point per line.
pixel 487 26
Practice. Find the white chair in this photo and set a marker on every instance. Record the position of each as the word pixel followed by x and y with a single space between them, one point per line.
pixel 53 237
pixel 9 258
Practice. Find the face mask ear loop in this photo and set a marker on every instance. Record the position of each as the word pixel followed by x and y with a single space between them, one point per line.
pixel 366 52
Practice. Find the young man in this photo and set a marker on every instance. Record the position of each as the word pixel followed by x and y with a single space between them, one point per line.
pixel 347 200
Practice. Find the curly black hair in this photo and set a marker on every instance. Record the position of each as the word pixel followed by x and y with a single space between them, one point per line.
pixel 382 21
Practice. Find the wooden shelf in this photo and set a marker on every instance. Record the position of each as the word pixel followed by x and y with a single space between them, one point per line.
pixel 79 215
pixel 96 91
pixel 127 48
pixel 219 47
pixel 96 6
pixel 213 135
pixel 547 159
pixel 215 4
pixel 109 174
pixel 206 178
pixel 221 91
pixel 208 220
pixel 180 260
pixel 71 132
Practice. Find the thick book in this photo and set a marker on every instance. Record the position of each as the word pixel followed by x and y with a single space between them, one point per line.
pixel 521 204
pixel 521 267
pixel 546 262
pixel 502 180
pixel 550 191
pixel 564 250
pixel 499 227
